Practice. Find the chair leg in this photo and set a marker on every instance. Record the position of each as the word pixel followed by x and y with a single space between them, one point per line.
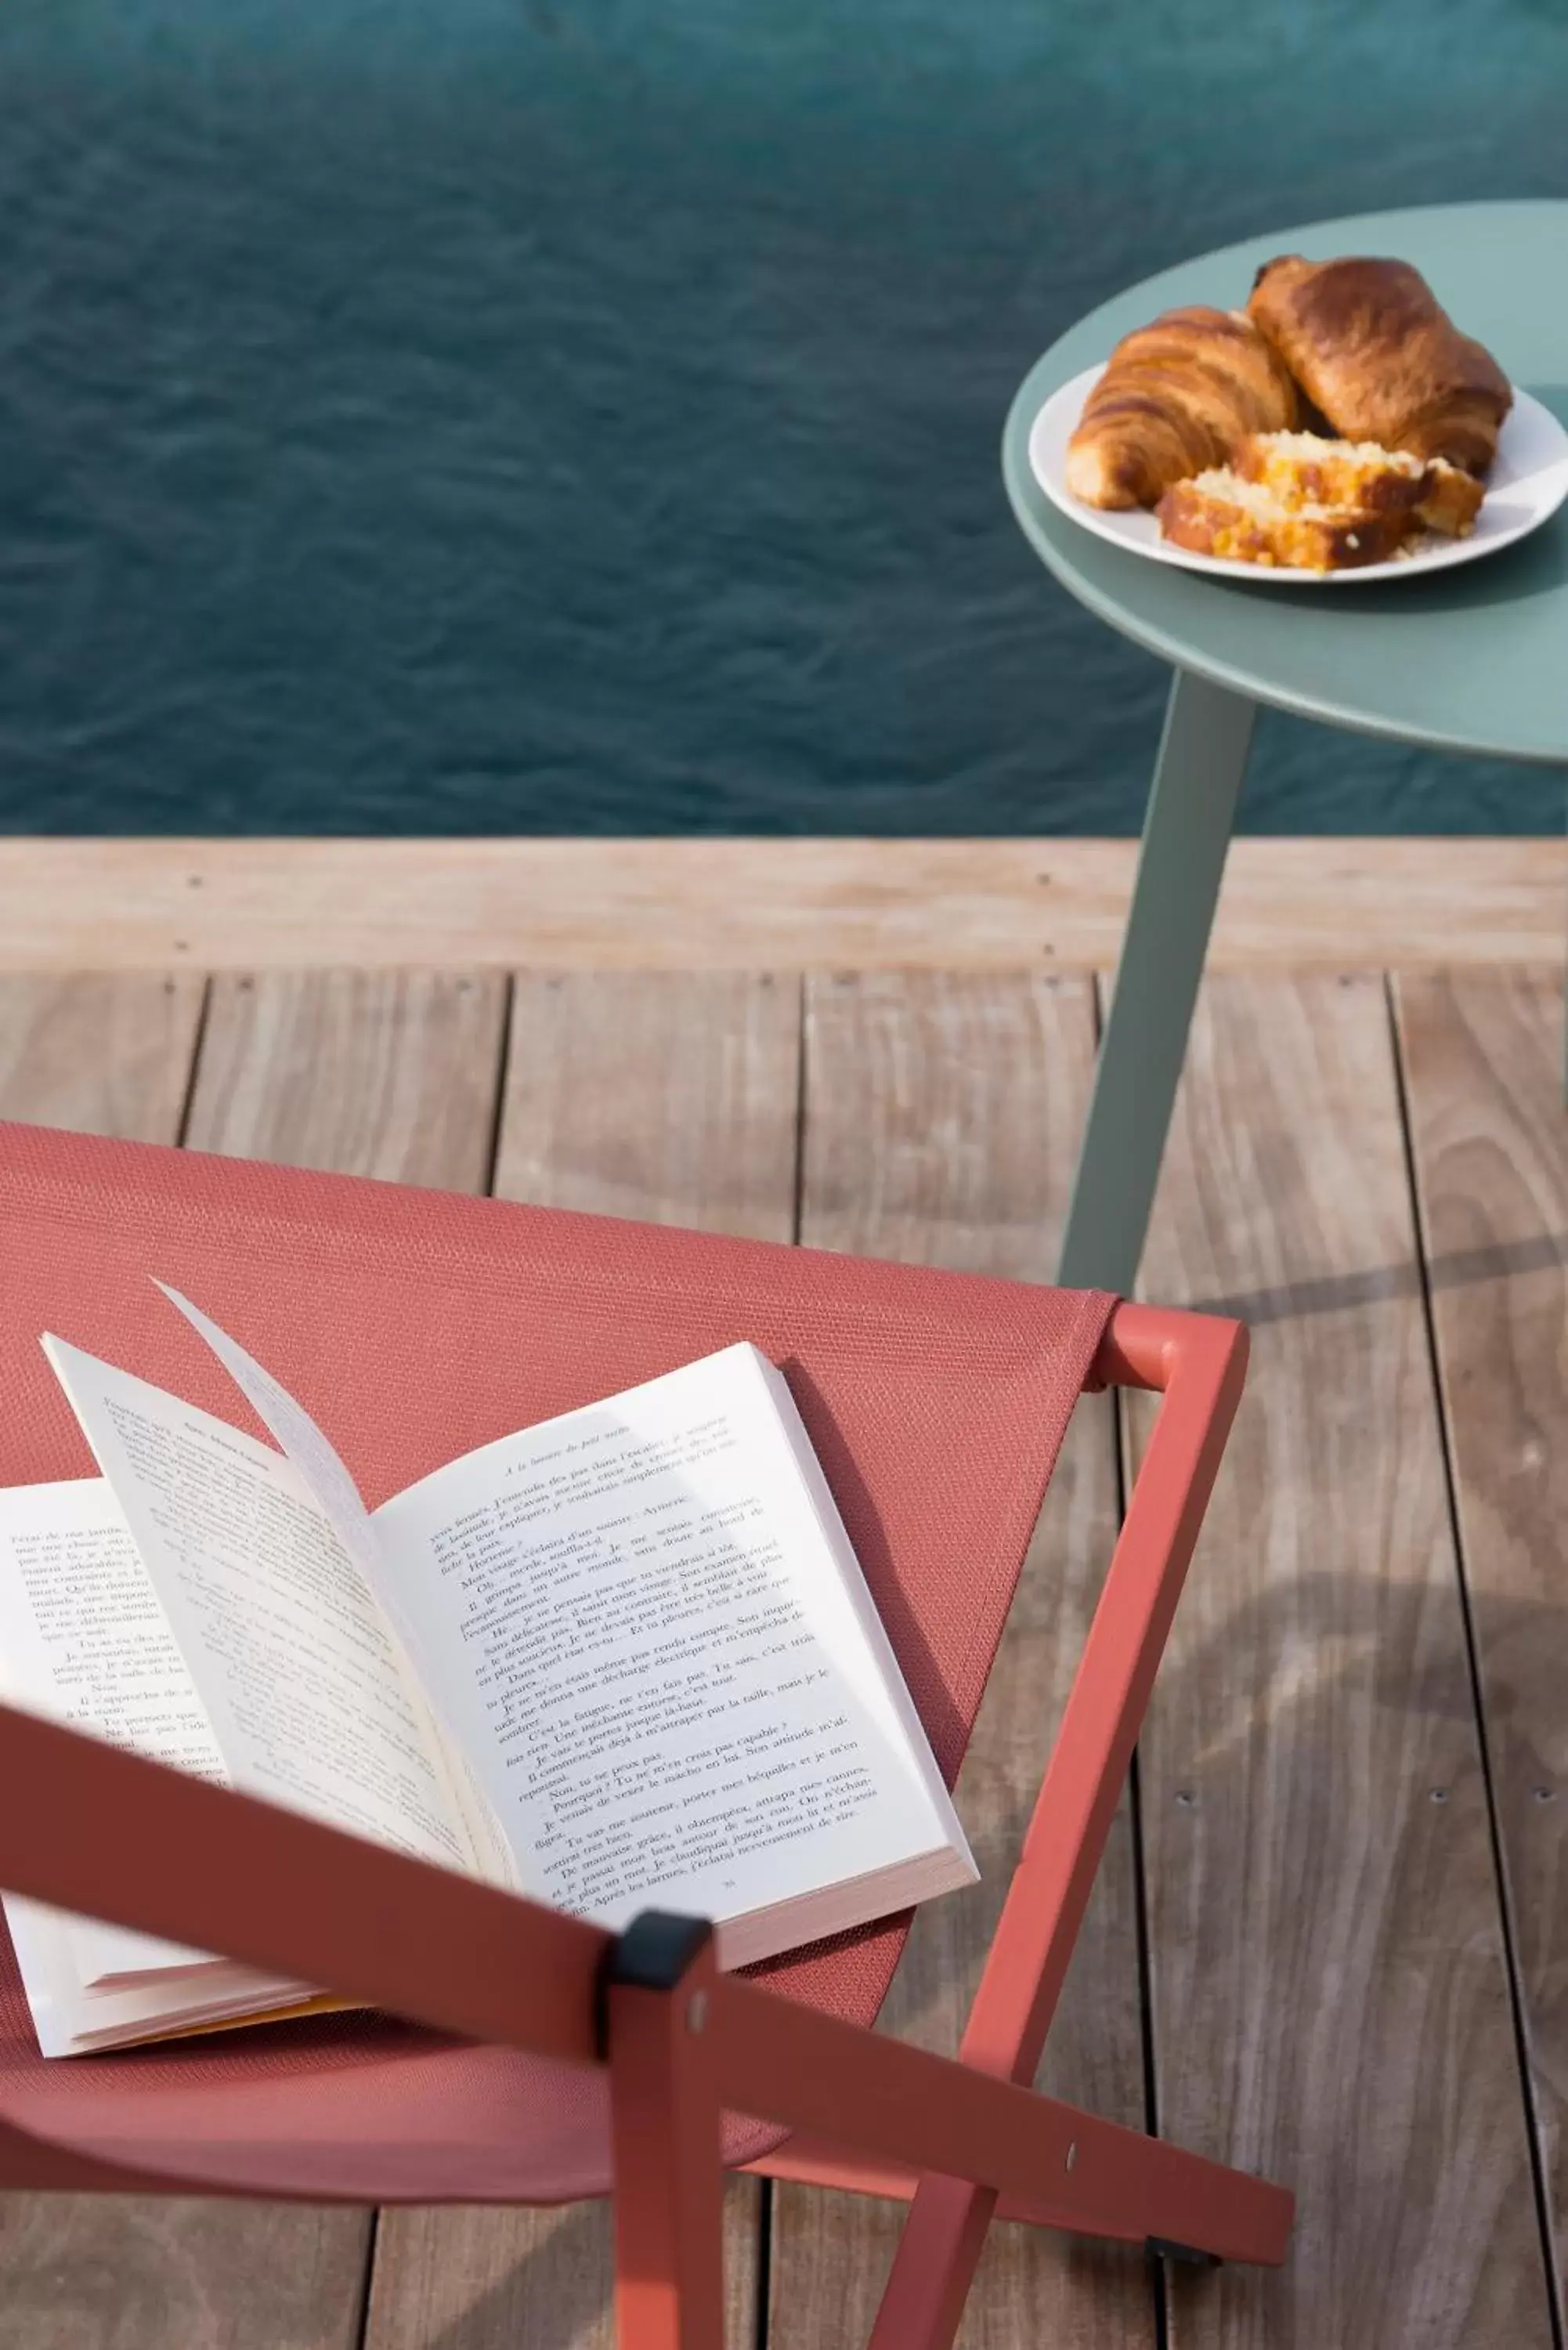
pixel 938 2252
pixel 1114 2182
pixel 668 2185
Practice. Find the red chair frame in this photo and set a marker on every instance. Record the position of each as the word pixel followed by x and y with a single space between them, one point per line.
pixel 962 2141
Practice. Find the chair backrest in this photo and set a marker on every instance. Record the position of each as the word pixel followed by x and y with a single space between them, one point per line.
pixel 415 1324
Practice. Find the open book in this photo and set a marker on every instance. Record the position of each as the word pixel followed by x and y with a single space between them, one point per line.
pixel 625 1658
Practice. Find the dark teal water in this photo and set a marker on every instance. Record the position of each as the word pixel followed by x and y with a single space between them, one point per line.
pixel 541 415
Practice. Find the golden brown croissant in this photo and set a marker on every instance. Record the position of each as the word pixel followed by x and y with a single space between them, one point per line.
pixel 1176 397
pixel 1372 346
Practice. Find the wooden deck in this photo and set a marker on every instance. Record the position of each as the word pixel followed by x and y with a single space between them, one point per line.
pixel 740 904
pixel 1331 1939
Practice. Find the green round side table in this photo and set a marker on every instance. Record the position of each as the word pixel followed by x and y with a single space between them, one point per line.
pixel 1473 660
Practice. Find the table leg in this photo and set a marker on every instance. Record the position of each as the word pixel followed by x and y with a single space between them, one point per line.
pixel 1186 830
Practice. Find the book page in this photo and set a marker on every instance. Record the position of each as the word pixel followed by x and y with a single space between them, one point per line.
pixel 281 1633
pixel 635 1623
pixel 334 1491
pixel 69 2019
pixel 83 1636
pixel 296 1435
pixel 85 1641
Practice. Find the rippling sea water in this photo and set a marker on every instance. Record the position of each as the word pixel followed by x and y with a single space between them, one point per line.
pixel 582 415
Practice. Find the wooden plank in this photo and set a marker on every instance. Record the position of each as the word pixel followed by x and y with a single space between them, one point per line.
pixel 1330 1996
pixel 472 2278
pixel 1490 1135
pixel 391 1074
pixel 941 1114
pixel 77 2271
pixel 680 904
pixel 124 2272
pixel 670 1098
pixel 102 1055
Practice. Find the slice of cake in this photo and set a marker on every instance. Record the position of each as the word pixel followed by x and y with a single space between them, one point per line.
pixel 1303 470
pixel 1450 499
pixel 1221 513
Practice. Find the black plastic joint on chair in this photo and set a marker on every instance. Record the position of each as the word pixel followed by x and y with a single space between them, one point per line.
pixel 1160 2248
pixel 653 1954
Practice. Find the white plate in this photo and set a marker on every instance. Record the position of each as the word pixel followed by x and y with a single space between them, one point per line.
pixel 1525 487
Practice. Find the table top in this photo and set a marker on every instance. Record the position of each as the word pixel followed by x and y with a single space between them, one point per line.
pixel 1473 658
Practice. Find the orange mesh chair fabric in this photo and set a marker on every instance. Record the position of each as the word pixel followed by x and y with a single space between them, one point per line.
pixel 414 1326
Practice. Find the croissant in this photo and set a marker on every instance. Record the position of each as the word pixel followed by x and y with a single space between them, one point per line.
pixel 1374 351
pixel 1175 399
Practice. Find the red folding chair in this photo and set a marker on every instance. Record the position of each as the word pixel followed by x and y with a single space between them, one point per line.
pixel 510 2053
